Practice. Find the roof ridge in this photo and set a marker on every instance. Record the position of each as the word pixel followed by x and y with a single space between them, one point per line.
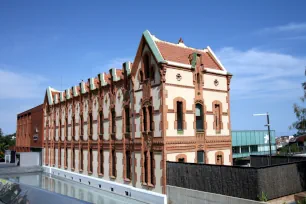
pixel 178 45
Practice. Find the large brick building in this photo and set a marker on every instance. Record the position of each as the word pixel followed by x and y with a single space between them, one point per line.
pixel 29 133
pixel 172 103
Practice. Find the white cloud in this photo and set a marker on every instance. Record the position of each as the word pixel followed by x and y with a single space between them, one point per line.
pixel 262 74
pixel 291 27
pixel 15 85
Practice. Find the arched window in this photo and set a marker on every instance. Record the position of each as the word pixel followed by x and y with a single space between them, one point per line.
pixel 101 162
pixel 54 129
pixel 152 73
pixel 66 135
pixel 217 110
pixel 128 164
pixel 66 157
pixel 81 159
pixel 81 125
pixel 113 120
pixel 101 122
pixel 90 125
pixel 179 112
pixel 151 117
pixel 146 167
pixel 60 129
pixel 199 118
pixel 90 160
pixel 127 119
pixel 73 126
pixel 219 158
pixel 144 117
pixel 59 157
pixel 73 158
pixel 146 65
pixel 114 163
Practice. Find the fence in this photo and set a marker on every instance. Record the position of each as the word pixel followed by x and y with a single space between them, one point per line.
pixel 242 182
pixel 263 160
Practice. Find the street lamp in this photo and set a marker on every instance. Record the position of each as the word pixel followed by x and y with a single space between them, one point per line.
pixel 268 125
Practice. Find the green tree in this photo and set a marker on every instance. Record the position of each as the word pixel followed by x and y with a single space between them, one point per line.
pixel 300 113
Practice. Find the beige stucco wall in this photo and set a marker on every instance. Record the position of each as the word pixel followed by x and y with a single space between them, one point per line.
pixel 190 156
pixel 209 82
pixel 186 77
pixel 210 129
pixel 211 96
pixel 211 156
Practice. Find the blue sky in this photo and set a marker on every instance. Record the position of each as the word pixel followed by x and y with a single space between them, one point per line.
pixel 60 43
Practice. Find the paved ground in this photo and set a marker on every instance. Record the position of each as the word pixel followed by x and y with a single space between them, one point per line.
pixel 20 170
pixel 287 199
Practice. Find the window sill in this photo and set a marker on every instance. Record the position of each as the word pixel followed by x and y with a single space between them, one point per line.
pixel 112 177
pixel 89 172
pixel 72 169
pixel 127 180
pixel 100 174
pixel 81 170
pixel 66 167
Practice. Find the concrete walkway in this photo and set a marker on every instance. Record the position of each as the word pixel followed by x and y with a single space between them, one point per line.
pixel 20 170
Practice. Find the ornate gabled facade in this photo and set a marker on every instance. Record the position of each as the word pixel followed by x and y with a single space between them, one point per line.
pixel 172 104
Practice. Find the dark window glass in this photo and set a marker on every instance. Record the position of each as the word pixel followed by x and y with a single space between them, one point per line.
pixel 81 124
pixel 144 116
pixel 73 158
pixel 151 117
pixel 199 117
pixel 179 106
pixel 244 149
pixel 66 151
pixel 236 150
pixel 81 159
pixel 113 121
pixel 146 167
pixel 66 127
pixel 114 163
pixel 254 148
pixel 181 160
pixel 91 159
pixel 90 124
pixel 152 167
pixel 127 119
pixel 101 122
pixel 128 164
pixel 200 156
pixel 101 161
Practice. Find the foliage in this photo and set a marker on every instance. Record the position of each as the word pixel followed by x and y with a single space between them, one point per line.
pixel 301 201
pixel 263 197
pixel 300 113
pixel 290 148
pixel 6 141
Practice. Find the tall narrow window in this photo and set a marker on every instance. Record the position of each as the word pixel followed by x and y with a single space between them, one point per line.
pixel 200 157
pixel 217 117
pixel 199 118
pixel 90 160
pixel 151 117
pixel 128 164
pixel 152 167
pixel 66 157
pixel 144 117
pixel 101 122
pixel 114 163
pixel 146 66
pixel 73 126
pixel 59 156
pixel 66 128
pixel 53 162
pixel 90 124
pixel 113 121
pixel 145 167
pixel 60 129
pixel 81 124
pixel 73 157
pixel 101 161
pixel 152 73
pixel 179 107
pixel 127 119
pixel 54 129
pixel 81 158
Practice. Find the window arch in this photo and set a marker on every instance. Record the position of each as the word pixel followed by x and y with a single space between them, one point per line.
pixel 181 158
pixel 199 118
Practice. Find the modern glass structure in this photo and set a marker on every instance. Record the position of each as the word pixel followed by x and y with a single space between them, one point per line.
pixel 252 142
